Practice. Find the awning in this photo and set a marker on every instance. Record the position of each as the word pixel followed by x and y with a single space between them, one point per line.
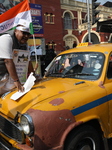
pixel 104 26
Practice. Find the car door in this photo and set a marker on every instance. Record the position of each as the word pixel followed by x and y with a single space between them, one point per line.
pixel 108 87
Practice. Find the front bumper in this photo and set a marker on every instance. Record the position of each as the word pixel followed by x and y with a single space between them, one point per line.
pixel 4 145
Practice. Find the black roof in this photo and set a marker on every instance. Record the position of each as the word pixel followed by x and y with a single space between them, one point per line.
pixel 108 4
pixel 104 26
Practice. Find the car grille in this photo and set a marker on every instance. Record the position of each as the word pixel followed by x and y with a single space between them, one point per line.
pixel 4 145
pixel 11 130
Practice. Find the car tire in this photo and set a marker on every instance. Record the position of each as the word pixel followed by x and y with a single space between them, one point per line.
pixel 84 138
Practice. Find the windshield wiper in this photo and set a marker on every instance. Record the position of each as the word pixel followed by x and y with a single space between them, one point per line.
pixel 53 75
pixel 75 74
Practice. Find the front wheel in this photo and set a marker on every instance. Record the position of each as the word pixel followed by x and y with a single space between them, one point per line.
pixel 84 138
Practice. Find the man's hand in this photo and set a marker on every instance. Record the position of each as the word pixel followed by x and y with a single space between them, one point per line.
pixel 20 88
pixel 13 74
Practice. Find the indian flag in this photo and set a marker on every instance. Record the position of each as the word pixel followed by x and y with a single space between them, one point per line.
pixel 10 18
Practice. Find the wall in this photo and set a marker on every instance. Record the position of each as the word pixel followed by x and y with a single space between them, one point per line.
pixel 52 32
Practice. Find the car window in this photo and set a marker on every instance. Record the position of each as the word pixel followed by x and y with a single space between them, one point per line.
pixel 83 65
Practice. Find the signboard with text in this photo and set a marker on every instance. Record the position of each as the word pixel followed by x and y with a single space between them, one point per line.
pixel 36 13
pixel 38 49
pixel 21 60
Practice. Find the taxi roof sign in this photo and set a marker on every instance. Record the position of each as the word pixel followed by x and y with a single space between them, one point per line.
pixel 84 44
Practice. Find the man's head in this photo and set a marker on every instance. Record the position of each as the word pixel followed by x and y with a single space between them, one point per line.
pixel 22 31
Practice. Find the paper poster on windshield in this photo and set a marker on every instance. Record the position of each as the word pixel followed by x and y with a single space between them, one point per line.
pixel 21 60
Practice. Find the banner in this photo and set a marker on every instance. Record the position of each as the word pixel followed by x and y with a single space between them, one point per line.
pixel 36 14
pixel 21 60
pixel 11 17
pixel 38 49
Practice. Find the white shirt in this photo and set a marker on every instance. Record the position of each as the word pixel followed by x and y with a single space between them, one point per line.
pixel 6 46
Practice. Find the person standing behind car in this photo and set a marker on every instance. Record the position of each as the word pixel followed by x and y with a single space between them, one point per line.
pixel 50 54
pixel 16 39
pixel 74 44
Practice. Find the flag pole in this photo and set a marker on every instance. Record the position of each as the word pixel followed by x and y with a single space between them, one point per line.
pixel 36 64
pixel 88 21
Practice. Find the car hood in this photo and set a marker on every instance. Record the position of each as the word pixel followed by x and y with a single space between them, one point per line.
pixel 42 91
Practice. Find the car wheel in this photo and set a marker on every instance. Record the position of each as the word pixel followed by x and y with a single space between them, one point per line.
pixel 84 138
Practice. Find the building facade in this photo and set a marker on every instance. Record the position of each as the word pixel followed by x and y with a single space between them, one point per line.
pixel 52 23
pixel 65 23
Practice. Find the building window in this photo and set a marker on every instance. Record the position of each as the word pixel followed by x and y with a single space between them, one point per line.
pixel 49 18
pixel 67 21
pixel 75 24
pixel 86 18
pixel 46 17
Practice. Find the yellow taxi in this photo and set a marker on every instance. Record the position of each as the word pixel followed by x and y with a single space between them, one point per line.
pixel 69 109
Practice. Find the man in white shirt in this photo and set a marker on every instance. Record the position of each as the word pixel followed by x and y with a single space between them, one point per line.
pixel 9 41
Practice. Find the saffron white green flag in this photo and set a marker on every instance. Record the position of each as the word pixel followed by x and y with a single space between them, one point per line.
pixel 10 18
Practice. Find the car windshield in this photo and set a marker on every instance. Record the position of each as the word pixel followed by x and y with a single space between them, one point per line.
pixel 81 65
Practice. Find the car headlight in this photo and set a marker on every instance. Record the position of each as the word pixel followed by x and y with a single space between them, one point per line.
pixel 27 124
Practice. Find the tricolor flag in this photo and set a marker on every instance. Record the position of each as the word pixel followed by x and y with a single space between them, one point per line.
pixel 10 18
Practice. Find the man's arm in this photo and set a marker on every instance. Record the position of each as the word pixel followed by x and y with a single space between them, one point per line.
pixel 30 68
pixel 13 74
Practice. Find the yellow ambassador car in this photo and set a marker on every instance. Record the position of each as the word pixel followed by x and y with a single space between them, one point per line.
pixel 69 109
